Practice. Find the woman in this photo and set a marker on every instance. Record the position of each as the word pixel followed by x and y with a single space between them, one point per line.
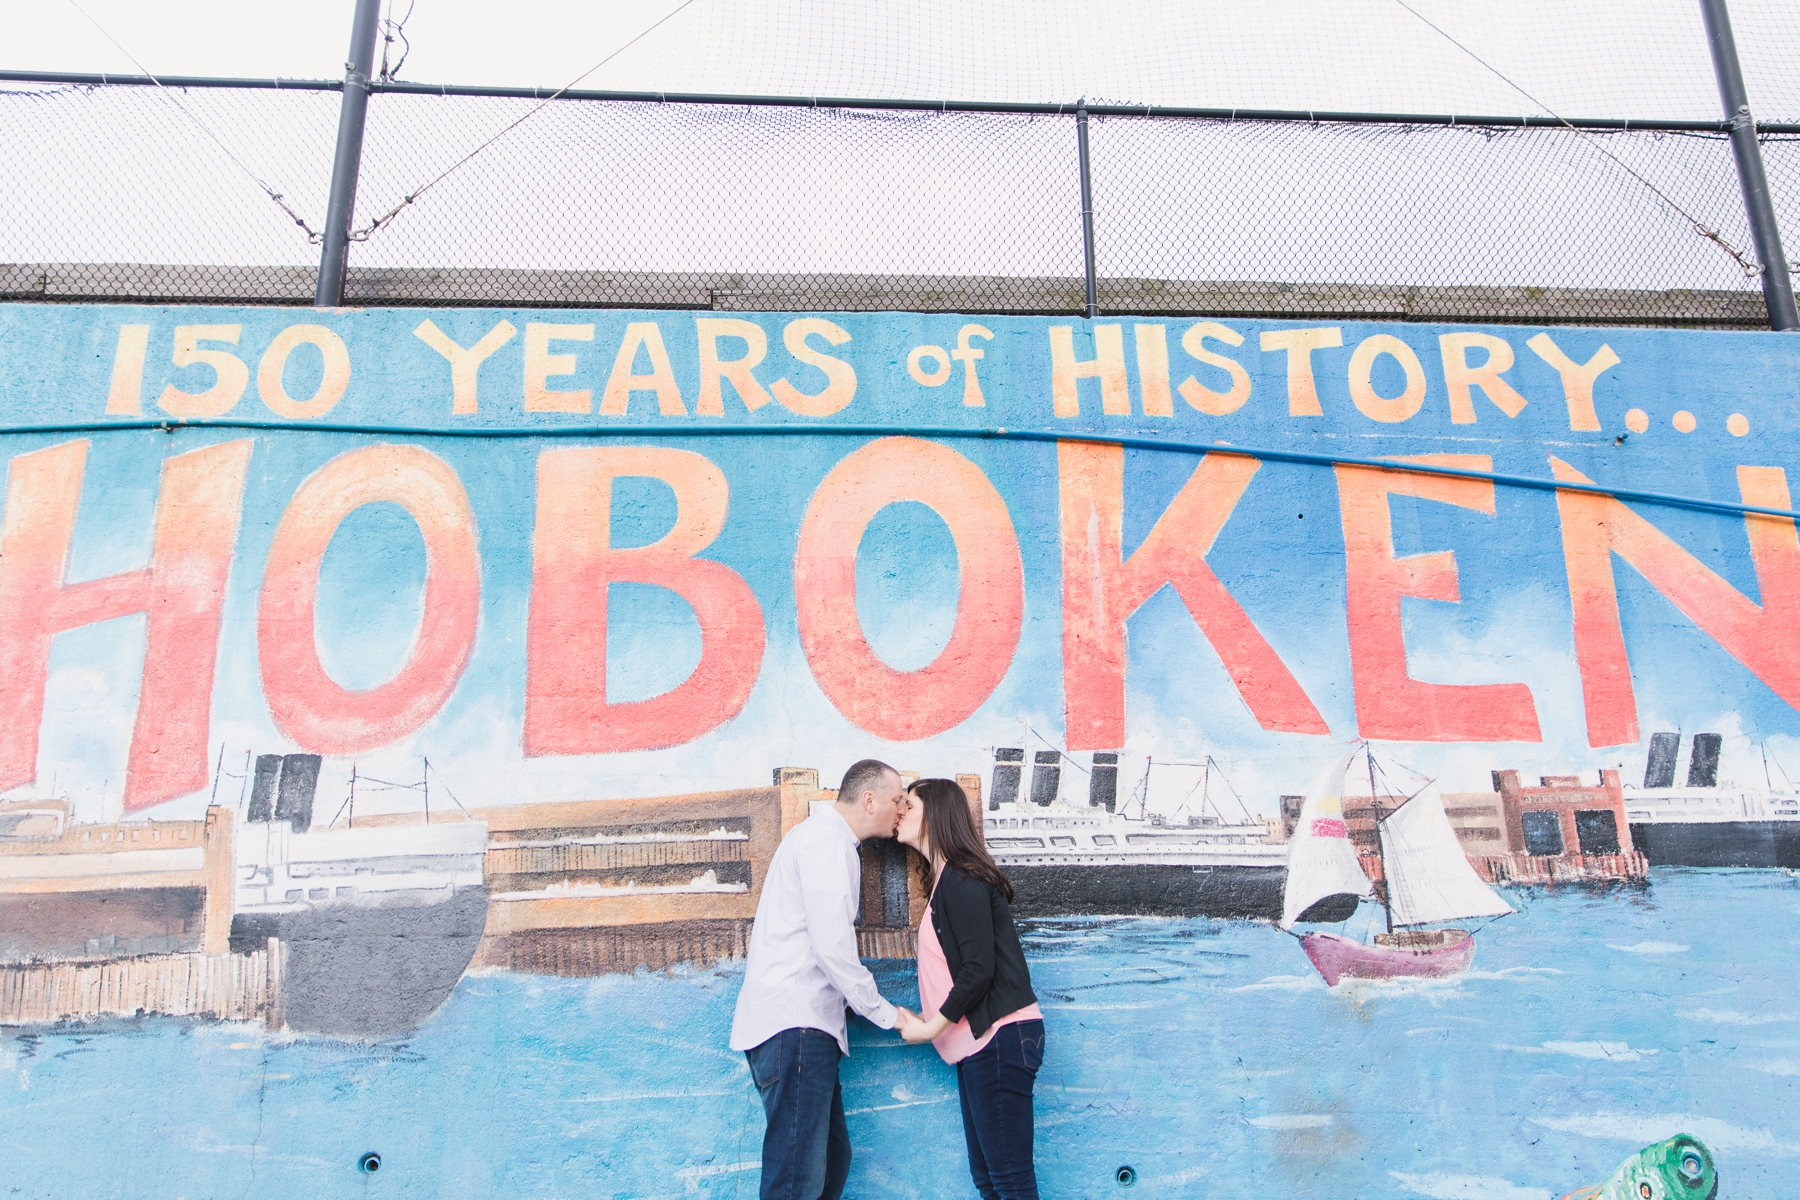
pixel 975 995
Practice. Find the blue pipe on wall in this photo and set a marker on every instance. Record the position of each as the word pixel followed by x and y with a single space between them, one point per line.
pixel 926 431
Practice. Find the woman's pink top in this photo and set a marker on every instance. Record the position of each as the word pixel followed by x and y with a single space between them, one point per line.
pixel 959 1041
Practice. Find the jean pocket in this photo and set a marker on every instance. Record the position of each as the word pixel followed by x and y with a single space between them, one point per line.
pixel 1031 1044
pixel 765 1063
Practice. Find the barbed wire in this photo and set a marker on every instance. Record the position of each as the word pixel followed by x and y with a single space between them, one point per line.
pixel 390 30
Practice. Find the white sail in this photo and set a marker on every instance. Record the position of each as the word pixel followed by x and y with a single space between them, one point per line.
pixel 1321 861
pixel 1428 877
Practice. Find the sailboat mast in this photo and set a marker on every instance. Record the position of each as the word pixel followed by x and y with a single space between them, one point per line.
pixel 1387 900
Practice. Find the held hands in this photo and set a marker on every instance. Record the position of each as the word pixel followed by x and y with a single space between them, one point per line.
pixel 906 1022
pixel 915 1029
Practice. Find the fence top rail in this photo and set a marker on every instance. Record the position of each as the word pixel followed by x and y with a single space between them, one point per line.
pixel 1299 116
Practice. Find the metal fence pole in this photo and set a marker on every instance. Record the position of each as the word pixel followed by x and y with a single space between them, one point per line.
pixel 1087 210
pixel 351 118
pixel 1778 286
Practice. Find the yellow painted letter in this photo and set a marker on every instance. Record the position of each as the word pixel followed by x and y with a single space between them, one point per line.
pixel 1215 404
pixel 1303 392
pixel 540 365
pixel 1460 377
pixel 735 371
pixel 1362 392
pixel 465 365
pixel 840 376
pixel 1107 365
pixel 1153 370
pixel 1577 378
pixel 661 379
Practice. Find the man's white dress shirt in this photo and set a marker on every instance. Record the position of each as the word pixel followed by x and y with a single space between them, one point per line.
pixel 803 960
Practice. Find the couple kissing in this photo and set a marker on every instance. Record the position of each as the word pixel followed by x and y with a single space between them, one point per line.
pixel 975 999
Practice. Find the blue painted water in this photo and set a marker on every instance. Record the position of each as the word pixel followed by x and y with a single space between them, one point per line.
pixel 1207 1055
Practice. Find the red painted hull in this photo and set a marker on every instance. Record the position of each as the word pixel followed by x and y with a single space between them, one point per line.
pixel 1341 958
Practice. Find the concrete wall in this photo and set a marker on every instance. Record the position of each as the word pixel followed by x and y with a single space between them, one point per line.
pixel 485 656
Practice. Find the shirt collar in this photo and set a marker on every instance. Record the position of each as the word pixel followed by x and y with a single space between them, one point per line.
pixel 837 817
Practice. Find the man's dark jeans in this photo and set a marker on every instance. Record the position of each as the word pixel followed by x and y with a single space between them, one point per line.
pixel 996 1084
pixel 806 1151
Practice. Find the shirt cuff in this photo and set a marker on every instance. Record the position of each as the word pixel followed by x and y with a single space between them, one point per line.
pixel 884 1017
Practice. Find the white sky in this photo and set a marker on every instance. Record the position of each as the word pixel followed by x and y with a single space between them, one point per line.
pixel 1643 58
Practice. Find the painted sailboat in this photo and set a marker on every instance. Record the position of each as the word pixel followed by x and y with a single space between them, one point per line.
pixel 1429 883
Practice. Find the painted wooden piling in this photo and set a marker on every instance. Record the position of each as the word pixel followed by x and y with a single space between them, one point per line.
pixel 232 987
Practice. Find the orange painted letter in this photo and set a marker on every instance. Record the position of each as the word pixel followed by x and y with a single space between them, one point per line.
pixel 309 705
pixel 904 706
pixel 1765 638
pixel 1390 704
pixel 573 562
pixel 182 590
pixel 1101 589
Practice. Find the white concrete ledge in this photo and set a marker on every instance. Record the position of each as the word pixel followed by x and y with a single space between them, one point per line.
pixel 750 292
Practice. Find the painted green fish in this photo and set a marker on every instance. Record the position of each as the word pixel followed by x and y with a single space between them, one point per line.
pixel 1678 1169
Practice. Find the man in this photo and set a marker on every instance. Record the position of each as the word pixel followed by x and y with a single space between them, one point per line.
pixel 803 967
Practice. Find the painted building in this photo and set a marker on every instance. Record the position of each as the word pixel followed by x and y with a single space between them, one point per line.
pixel 1563 815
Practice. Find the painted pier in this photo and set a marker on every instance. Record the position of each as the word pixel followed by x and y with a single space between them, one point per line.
pixel 605 886
pixel 123 919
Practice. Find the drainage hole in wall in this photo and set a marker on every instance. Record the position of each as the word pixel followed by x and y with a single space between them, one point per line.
pixel 1125 1176
pixel 369 1163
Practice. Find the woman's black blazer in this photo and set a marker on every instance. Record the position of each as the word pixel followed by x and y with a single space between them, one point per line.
pixel 987 966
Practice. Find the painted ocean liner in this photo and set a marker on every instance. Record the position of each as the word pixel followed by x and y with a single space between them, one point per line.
pixel 1706 824
pixel 1178 854
pixel 378 919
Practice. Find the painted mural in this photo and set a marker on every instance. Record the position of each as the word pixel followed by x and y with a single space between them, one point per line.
pixel 1392 733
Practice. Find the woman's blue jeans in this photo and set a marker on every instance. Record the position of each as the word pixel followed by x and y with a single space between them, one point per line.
pixel 806 1151
pixel 996 1084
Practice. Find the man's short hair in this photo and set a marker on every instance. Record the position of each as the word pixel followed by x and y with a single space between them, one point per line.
pixel 862 777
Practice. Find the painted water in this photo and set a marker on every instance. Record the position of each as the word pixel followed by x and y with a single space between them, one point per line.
pixel 1205 1055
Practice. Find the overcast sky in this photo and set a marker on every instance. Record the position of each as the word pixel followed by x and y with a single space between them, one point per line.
pixel 1644 58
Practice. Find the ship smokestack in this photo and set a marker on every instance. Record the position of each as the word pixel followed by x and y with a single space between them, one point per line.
pixel 1659 768
pixel 262 787
pixel 299 782
pixel 1008 773
pixel 1046 776
pixel 1703 761
pixel 1103 782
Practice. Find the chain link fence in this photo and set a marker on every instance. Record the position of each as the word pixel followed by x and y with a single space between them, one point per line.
pixel 142 193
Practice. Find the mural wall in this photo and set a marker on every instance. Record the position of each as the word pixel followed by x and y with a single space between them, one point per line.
pixel 401 707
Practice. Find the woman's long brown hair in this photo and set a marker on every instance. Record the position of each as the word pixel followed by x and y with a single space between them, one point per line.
pixel 950 832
